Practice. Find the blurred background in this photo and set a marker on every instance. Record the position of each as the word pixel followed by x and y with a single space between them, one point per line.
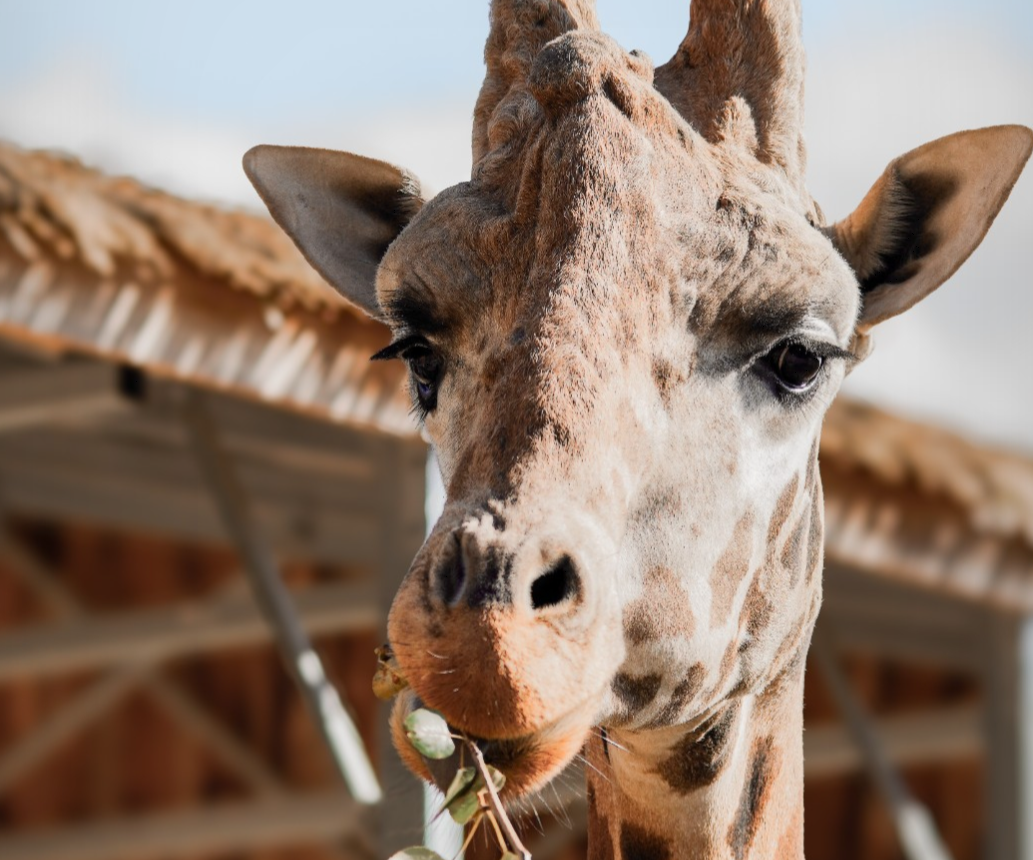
pixel 110 512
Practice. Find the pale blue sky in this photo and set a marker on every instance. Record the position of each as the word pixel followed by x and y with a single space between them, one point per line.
pixel 224 59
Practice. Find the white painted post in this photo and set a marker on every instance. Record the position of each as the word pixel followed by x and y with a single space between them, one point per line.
pixel 401 475
pixel 1008 681
pixel 440 832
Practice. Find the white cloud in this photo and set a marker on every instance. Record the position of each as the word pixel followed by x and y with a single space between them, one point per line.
pixel 79 108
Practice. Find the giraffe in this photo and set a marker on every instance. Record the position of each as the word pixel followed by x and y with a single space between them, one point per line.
pixel 622 334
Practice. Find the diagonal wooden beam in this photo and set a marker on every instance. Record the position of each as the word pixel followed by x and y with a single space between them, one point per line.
pixel 112 686
pixel 915 827
pixel 333 721
pixel 65 723
pixel 36 575
pixel 116 683
pixel 182 707
pixel 119 681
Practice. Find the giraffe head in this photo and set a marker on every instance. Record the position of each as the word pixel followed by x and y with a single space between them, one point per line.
pixel 622 335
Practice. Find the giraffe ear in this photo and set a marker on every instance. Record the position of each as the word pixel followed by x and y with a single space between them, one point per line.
pixel 926 214
pixel 341 210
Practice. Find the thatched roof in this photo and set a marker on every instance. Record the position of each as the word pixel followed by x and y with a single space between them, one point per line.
pixel 53 206
pixel 921 504
pixel 994 488
pixel 105 266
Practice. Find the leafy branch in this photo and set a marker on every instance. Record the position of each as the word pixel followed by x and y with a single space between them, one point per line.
pixel 473 795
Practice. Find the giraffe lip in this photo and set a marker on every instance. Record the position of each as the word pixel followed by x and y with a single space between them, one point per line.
pixel 496 751
pixel 527 761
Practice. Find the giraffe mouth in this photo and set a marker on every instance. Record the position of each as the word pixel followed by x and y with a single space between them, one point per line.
pixel 528 761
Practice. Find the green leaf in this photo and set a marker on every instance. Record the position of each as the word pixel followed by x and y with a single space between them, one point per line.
pixel 465 807
pixel 460 782
pixel 417 852
pixel 429 734
pixel 498 778
pixel 461 799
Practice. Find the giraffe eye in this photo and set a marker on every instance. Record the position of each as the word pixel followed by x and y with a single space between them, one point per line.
pixel 425 367
pixel 794 366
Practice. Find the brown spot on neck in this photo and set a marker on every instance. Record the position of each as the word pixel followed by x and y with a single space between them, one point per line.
pixel 756 610
pixel 666 377
pixel 635 693
pixel 683 692
pixel 637 843
pixel 662 612
pixel 730 570
pixel 793 549
pixel 756 793
pixel 812 467
pixel 600 842
pixel 700 756
pixel 783 507
pixel 815 536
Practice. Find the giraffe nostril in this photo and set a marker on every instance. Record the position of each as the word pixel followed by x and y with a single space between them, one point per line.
pixel 451 575
pixel 557 585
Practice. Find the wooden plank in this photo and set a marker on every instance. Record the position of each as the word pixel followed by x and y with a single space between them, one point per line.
pixel 24 356
pixel 908 739
pixel 294 531
pixel 164 633
pixel 887 638
pixel 236 828
pixel 899 600
pixel 140 465
pixel 271 434
pixel 402 469
pixel 66 392
pixel 868 613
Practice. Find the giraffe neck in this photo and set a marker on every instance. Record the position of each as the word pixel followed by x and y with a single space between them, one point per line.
pixel 728 786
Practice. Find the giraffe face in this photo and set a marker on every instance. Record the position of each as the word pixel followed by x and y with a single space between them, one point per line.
pixel 622 339
pixel 622 334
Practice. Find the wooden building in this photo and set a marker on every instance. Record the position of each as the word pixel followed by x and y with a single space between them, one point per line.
pixel 182 399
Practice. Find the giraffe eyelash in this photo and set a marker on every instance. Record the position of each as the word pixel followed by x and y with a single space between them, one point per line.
pixel 398 348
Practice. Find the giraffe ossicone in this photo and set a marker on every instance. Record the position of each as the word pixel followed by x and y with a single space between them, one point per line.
pixel 622 335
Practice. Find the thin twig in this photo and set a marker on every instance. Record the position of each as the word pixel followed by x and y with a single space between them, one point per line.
pixel 496 803
pixel 469 836
pixel 498 833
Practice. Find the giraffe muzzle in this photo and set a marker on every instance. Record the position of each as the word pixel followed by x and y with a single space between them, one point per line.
pixel 504 632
